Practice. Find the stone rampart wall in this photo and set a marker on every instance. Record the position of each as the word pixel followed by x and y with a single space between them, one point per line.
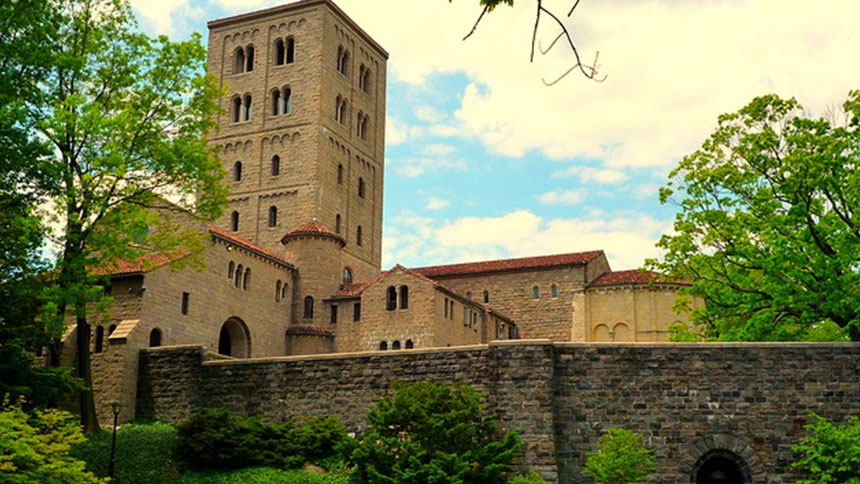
pixel 751 400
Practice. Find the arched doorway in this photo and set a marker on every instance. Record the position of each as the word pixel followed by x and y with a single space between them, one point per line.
pixel 234 339
pixel 721 467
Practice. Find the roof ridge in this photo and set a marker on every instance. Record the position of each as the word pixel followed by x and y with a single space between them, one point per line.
pixel 213 229
pixel 515 263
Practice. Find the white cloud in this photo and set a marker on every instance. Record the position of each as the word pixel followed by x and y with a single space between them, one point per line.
pixel 646 190
pixel 627 238
pixel 396 131
pixel 438 149
pixel 562 197
pixel 416 166
pixel 428 114
pixel 591 174
pixel 436 203
pixel 443 130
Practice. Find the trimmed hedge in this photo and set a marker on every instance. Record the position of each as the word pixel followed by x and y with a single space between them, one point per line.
pixel 145 454
pixel 263 475
pixel 216 439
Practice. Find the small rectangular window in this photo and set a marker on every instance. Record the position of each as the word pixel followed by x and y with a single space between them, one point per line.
pixel 446 308
pixel 356 312
pixel 185 297
pixel 465 316
pixel 333 319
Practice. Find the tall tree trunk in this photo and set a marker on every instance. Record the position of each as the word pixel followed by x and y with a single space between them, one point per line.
pixel 89 420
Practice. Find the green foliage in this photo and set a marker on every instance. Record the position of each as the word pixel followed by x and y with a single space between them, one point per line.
pixel 264 475
pixel 831 453
pixel 216 439
pixel 768 226
pixel 35 449
pixel 621 458
pixel 145 453
pixel 432 433
pixel 681 333
pixel 33 383
pixel 530 478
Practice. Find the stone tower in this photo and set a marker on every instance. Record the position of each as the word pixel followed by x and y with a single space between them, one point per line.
pixel 303 127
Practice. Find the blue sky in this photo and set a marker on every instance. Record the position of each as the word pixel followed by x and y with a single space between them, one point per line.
pixel 484 161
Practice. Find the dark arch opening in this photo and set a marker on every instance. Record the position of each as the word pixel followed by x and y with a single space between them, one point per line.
pixel 234 339
pixel 155 338
pixel 721 467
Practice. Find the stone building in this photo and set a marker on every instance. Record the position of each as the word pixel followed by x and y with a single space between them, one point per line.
pixel 294 265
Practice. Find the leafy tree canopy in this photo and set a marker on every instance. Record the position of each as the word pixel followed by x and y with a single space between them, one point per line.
pixel 768 227
pixel 432 433
pixel 831 453
pixel 621 458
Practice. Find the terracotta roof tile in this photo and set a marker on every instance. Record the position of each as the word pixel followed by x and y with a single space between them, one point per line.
pixel 140 265
pixel 352 290
pixel 634 276
pixel 314 227
pixel 540 262
pixel 231 237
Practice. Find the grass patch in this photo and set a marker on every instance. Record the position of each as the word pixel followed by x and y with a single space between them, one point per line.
pixel 145 454
pixel 262 475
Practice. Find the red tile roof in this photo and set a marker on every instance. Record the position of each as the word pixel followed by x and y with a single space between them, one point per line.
pixel 635 276
pixel 349 291
pixel 540 262
pixel 140 265
pixel 235 239
pixel 314 227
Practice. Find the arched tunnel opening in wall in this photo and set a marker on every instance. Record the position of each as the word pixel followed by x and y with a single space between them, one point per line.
pixel 721 467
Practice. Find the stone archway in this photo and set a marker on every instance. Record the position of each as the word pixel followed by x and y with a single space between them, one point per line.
pixel 723 459
pixel 234 339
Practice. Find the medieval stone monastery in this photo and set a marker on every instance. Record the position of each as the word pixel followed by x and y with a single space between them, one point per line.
pixel 293 267
pixel 292 314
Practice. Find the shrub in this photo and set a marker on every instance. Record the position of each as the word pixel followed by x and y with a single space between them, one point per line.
pixel 263 475
pixel 620 459
pixel 431 432
pixel 530 478
pixel 35 449
pixel 216 439
pixel 831 454
pixel 145 453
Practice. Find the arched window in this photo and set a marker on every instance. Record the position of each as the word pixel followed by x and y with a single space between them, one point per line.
pixel 344 63
pixel 404 297
pixel 361 69
pixel 239 58
pixel 343 111
pixel 309 307
pixel 111 329
pixel 395 345
pixel 340 174
pixel 291 50
pixel 273 216
pixel 347 275
pixel 363 123
pixel 249 55
pixel 409 344
pixel 536 292
pixel 100 339
pixel 359 117
pixel 356 312
pixel 287 106
pixel 247 110
pixel 278 291
pixel 155 338
pixel 337 104
pixel 553 290
pixel 237 109
pixel 240 271
pixel 276 165
pixel 469 295
pixel 358 236
pixel 237 171
pixel 383 346
pixel 234 221
pixel 337 223
pixel 246 281
pixel 391 298
pixel 280 52
pixel 230 269
pixel 486 297
pixel 339 57
pixel 361 189
pixel 284 291
pixel 366 84
pixel 276 102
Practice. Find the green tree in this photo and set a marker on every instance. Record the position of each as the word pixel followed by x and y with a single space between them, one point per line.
pixel 768 227
pixel 831 453
pixel 126 118
pixel 433 433
pixel 35 449
pixel 621 458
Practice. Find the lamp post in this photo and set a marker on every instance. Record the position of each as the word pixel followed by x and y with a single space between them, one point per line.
pixel 115 408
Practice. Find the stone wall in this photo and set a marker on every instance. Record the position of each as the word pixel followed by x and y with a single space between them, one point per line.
pixel 751 400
